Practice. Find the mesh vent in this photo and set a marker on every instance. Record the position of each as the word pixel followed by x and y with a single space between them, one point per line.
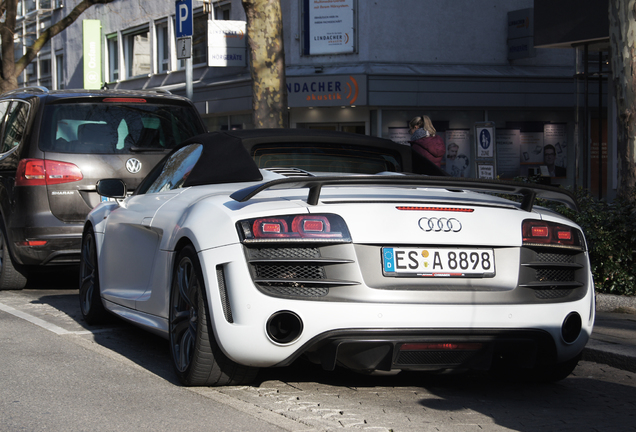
pixel 554 258
pixel 225 301
pixel 303 272
pixel 278 253
pixel 294 290
pixel 434 357
pixel 557 275
pixel 548 294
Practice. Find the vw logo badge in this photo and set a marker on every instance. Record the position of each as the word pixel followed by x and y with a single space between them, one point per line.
pixel 133 165
pixel 440 225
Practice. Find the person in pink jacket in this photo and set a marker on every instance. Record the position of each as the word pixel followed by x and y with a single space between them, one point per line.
pixel 425 141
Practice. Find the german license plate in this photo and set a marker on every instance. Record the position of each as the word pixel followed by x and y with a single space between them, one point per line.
pixel 438 262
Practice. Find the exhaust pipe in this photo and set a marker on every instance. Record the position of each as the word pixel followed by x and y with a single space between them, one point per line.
pixel 284 327
pixel 571 327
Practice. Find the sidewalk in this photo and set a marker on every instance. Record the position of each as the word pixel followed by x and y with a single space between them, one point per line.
pixel 613 340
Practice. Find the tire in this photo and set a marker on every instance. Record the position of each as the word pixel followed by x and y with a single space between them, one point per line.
pixel 196 356
pixel 10 277
pixel 90 297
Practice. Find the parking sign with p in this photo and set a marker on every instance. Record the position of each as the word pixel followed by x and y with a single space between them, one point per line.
pixel 184 18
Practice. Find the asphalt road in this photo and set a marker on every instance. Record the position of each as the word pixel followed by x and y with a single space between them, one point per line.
pixel 58 374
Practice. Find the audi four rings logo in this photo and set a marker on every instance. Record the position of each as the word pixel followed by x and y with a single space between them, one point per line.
pixel 133 165
pixel 440 224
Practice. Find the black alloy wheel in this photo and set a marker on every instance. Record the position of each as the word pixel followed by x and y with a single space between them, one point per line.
pixel 90 299
pixel 196 357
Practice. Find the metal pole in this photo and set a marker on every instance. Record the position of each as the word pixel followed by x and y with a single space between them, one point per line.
pixel 600 125
pixel 188 76
pixel 586 136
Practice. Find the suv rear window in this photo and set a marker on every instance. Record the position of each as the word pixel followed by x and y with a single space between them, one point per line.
pixel 115 128
pixel 318 157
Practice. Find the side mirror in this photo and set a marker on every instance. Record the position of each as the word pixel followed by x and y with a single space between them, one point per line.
pixel 111 188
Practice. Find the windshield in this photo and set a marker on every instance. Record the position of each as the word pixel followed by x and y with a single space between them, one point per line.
pixel 323 157
pixel 116 128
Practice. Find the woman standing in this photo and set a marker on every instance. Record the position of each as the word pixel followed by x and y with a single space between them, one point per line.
pixel 425 141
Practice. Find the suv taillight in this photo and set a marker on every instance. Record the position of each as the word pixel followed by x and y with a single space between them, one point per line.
pixel 39 172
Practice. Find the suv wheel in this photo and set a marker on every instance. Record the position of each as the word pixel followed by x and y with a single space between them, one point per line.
pixel 10 277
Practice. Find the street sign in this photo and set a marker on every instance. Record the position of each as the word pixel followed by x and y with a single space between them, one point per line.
pixel 184 18
pixel 184 48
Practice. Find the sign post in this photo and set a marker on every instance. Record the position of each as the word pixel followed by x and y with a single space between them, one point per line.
pixel 485 150
pixel 183 13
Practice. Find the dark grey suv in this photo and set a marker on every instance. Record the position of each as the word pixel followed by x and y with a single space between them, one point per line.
pixel 55 145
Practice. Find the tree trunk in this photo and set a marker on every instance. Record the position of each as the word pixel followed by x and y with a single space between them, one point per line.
pixel 8 80
pixel 267 60
pixel 623 55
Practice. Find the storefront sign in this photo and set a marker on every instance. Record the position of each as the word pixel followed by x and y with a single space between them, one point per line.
pixel 327 90
pixel 92 50
pixel 329 26
pixel 521 34
pixel 226 43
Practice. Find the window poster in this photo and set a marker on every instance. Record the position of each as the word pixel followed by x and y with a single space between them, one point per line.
pixel 329 26
pixel 532 148
pixel 508 153
pixel 400 135
pixel 555 149
pixel 458 152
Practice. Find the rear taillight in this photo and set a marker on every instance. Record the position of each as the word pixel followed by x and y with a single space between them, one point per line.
pixel 542 233
pixel 39 172
pixel 329 228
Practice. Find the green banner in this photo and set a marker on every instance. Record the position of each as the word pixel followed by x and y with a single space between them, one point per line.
pixel 92 50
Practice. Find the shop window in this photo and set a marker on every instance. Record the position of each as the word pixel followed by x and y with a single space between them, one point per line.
pixel 163 47
pixel 137 53
pixel 200 39
pixel 113 58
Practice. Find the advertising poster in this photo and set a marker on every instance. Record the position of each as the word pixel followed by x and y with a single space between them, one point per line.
pixel 400 135
pixel 330 26
pixel 508 153
pixel 531 148
pixel 458 152
pixel 555 149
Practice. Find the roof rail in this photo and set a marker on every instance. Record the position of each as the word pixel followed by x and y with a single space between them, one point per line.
pixel 33 89
pixel 161 91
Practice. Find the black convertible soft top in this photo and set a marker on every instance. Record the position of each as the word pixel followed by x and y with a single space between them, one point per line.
pixel 224 159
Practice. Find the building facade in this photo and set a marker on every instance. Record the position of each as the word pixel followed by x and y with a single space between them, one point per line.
pixel 360 66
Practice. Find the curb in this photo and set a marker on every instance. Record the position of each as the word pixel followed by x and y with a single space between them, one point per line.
pixel 613 355
pixel 611 302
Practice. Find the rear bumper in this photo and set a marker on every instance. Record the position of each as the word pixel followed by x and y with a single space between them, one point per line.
pixel 418 349
pixel 62 245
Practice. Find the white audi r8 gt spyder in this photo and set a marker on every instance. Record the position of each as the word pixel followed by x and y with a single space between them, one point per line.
pixel 324 253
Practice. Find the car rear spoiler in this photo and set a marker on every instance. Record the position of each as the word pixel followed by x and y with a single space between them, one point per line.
pixel 529 192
